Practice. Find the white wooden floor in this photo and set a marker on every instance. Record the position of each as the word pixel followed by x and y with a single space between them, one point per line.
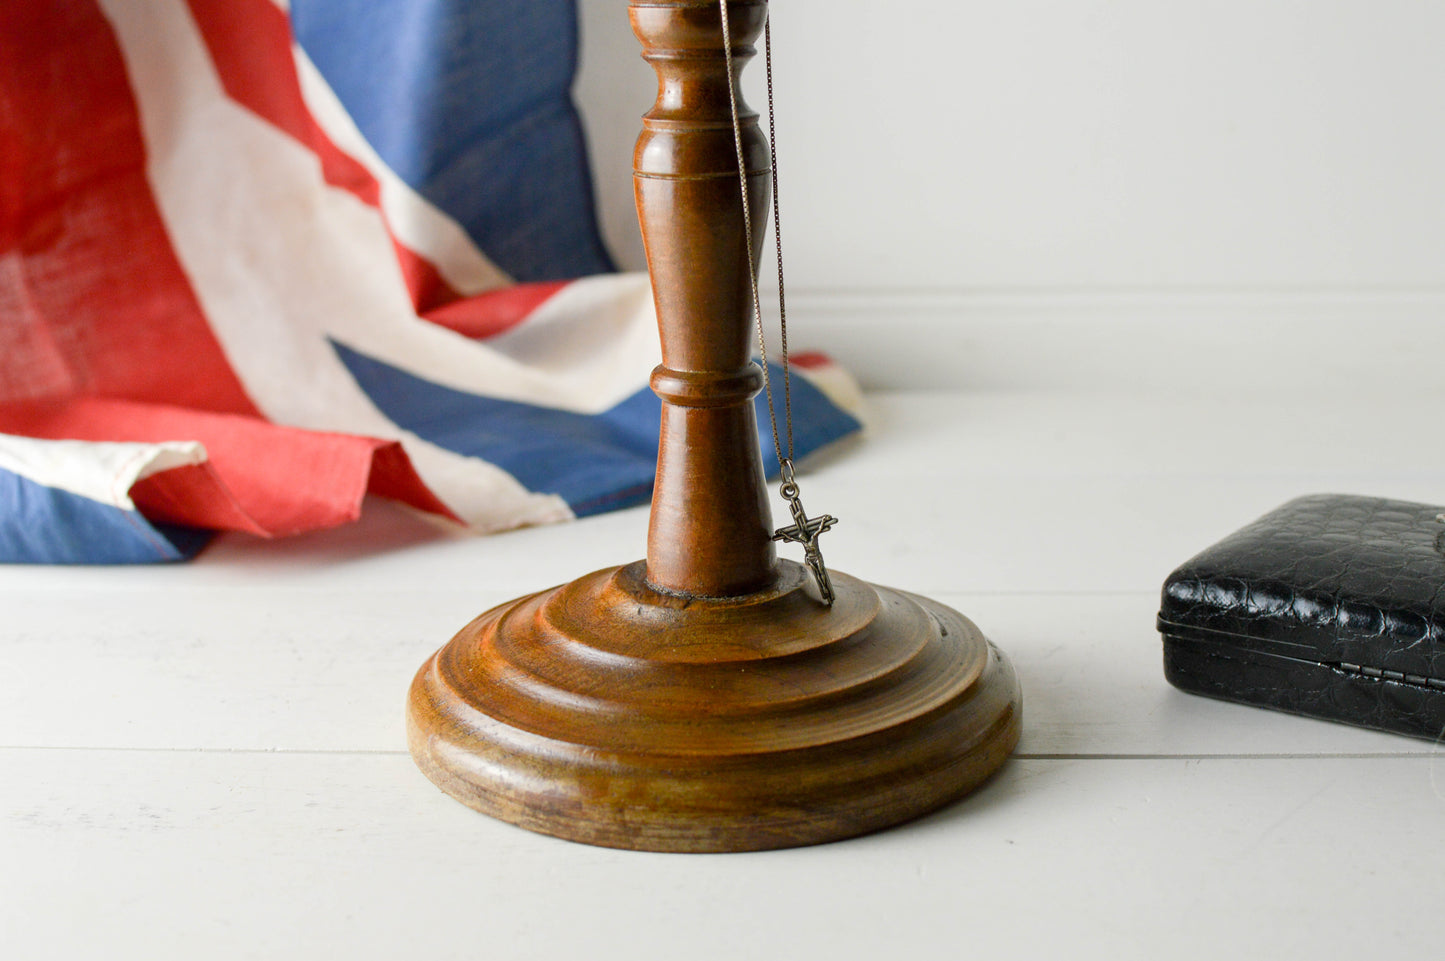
pixel 207 761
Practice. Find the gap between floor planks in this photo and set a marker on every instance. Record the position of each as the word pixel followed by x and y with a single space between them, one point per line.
pixel 309 752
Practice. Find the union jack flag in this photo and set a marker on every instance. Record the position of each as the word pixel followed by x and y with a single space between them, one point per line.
pixel 260 258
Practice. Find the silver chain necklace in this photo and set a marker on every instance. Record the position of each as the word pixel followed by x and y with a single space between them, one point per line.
pixel 804 530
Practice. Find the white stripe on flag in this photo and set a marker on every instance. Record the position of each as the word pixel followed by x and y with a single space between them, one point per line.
pixel 100 471
pixel 587 347
pixel 414 220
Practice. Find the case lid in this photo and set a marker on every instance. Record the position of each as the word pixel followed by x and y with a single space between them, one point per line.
pixel 1356 582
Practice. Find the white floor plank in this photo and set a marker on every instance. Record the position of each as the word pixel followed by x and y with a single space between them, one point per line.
pixel 1030 532
pixel 226 670
pixel 180 854
pixel 1318 427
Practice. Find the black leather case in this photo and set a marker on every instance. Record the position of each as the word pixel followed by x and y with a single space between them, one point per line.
pixel 1331 606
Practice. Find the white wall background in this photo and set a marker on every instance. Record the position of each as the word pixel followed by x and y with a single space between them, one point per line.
pixel 954 167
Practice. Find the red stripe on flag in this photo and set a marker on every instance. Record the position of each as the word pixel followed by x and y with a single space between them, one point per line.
pixel 277 480
pixel 250 44
pixel 810 360
pixel 91 292
pixel 489 314
pixel 195 496
pixel 428 289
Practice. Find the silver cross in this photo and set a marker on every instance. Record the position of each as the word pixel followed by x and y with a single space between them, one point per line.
pixel 805 531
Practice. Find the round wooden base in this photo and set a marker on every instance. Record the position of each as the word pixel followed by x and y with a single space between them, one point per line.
pixel 606 712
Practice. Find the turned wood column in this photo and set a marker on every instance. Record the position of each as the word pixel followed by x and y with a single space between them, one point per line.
pixel 707 700
pixel 711 532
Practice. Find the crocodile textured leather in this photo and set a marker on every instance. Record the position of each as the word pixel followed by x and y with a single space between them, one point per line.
pixel 1331 606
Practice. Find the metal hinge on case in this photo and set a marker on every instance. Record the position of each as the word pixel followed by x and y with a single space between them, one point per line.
pixel 1399 677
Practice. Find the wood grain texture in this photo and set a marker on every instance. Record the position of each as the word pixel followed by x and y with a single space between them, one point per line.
pixel 604 711
pixel 711 531
pixel 706 699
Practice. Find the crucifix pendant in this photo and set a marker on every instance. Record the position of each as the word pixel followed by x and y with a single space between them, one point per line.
pixel 805 530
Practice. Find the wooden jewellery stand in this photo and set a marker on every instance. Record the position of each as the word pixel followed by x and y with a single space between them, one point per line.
pixel 706 699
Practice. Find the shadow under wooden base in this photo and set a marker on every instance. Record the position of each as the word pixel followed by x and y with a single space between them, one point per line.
pixel 608 712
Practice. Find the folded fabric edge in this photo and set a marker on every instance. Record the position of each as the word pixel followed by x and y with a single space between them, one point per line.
pixel 69 502
pixel 236 473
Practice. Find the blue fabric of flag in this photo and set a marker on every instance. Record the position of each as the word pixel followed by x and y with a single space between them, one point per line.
pixel 46 525
pixel 470 103
pixel 595 462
